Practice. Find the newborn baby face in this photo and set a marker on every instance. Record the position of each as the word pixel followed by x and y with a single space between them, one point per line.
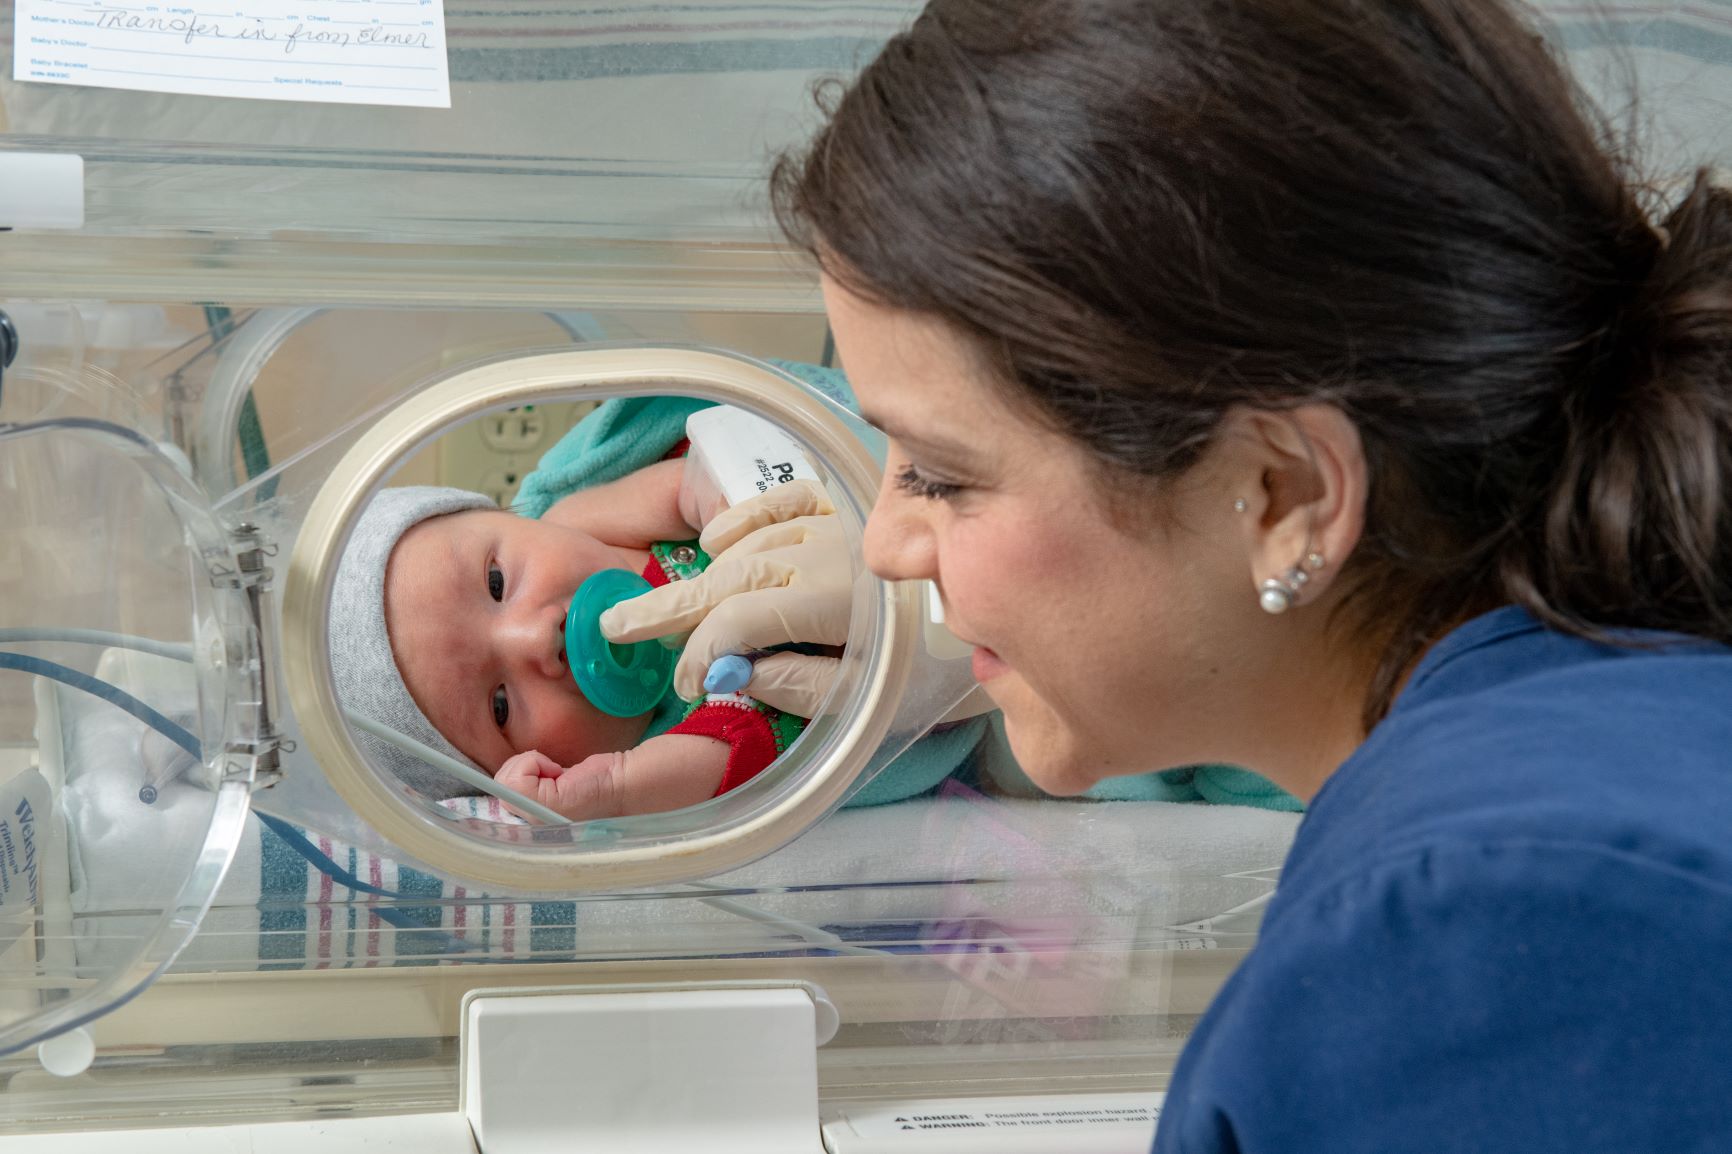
pixel 475 605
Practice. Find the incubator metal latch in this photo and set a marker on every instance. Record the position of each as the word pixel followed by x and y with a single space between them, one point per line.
pixel 256 756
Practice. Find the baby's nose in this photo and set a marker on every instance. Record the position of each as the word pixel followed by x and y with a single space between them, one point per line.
pixel 538 640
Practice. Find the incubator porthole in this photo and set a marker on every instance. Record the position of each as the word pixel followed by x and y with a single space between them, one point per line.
pixel 446 817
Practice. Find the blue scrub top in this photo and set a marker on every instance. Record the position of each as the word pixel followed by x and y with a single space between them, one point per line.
pixel 1505 925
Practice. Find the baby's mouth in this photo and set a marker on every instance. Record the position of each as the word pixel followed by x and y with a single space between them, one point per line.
pixel 562 658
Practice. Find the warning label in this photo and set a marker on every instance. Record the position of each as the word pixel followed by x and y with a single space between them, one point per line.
pixel 1128 1119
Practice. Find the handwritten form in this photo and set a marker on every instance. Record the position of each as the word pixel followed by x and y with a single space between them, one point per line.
pixel 336 51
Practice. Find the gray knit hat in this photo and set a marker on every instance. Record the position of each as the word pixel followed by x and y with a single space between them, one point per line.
pixel 363 669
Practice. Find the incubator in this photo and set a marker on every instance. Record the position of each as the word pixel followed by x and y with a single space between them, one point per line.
pixel 215 911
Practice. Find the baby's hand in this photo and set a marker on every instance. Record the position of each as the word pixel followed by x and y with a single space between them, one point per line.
pixel 524 772
pixel 590 789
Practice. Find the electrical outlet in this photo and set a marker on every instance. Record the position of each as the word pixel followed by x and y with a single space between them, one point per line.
pixel 515 430
pixel 500 486
pixel 493 454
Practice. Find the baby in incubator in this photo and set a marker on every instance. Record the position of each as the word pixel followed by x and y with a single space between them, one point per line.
pixel 448 625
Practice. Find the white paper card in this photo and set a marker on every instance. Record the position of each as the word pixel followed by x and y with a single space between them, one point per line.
pixel 334 51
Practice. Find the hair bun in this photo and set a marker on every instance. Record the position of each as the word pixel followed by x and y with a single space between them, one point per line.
pixel 1690 288
pixel 1641 513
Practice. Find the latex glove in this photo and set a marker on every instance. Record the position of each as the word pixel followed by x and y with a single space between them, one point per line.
pixel 781 572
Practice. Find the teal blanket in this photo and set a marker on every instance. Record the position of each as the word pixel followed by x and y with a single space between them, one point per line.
pixel 625 434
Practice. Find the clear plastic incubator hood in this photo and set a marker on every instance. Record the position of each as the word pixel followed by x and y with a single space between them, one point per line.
pixel 251 574
pixel 228 325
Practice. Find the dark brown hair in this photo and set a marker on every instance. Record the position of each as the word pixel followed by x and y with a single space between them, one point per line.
pixel 1145 213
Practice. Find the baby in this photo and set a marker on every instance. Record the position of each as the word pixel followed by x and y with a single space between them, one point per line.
pixel 448 625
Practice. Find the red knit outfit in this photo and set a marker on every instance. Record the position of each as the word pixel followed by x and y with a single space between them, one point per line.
pixel 756 734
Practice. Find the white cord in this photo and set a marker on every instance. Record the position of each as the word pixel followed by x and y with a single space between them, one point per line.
pixel 468 775
pixel 176 651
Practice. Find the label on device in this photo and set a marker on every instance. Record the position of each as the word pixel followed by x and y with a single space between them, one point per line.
pixel 1074 1123
pixel 735 456
pixel 24 808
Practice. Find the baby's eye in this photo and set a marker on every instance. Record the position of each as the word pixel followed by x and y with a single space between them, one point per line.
pixel 495 583
pixel 910 481
pixel 501 707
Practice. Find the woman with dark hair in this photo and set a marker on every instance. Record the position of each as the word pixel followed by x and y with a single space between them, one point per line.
pixel 1310 385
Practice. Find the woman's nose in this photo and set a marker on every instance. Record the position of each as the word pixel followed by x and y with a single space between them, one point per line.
pixel 534 639
pixel 898 545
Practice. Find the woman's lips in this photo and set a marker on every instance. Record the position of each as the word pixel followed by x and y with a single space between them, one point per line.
pixel 987 664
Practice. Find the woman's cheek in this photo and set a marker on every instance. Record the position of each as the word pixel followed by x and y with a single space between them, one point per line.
pixel 979 577
pixel 1008 557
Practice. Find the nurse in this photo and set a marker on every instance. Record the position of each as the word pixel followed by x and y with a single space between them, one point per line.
pixel 1313 385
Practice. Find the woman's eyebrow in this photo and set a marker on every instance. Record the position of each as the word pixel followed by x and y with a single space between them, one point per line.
pixel 909 436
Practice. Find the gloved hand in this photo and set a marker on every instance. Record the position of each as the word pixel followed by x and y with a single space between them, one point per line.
pixel 780 573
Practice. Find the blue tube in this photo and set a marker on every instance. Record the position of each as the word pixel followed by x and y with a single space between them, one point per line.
pixel 112 694
pixel 121 699
pixel 319 860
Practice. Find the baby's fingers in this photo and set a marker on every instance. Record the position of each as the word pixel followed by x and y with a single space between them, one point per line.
pixel 527 768
pixel 532 775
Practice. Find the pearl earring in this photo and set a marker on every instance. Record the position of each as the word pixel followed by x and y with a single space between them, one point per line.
pixel 1275 597
pixel 1277 594
pixel 1239 506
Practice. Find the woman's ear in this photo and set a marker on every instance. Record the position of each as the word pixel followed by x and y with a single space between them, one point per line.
pixel 1304 481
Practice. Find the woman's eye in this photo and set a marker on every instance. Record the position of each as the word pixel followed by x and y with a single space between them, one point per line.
pixel 495 583
pixel 910 481
pixel 501 707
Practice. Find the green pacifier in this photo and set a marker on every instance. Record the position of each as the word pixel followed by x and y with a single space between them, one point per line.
pixel 619 680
